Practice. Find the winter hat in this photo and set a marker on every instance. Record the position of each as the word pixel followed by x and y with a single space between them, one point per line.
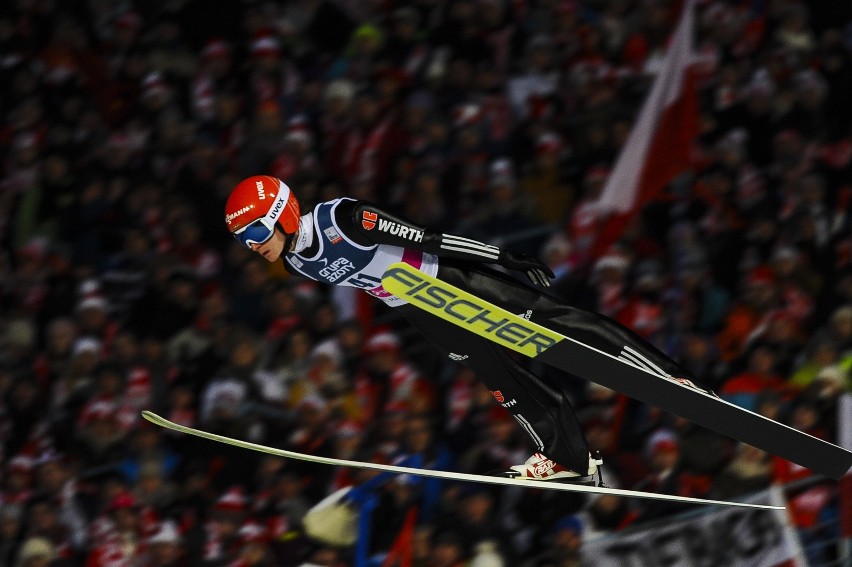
pixel 36 547
pixel 569 523
pixel 122 501
pixel 548 143
pixel 333 521
pixel 313 402
pixel 384 341
pixel 348 428
pixel 232 501
pixel 395 409
pixel 90 295
pixel 340 88
pixel 265 45
pixel 166 533
pixel 759 276
pixel 328 349
pixel 298 130
pixel 215 49
pixel 501 172
pixel 611 261
pixel 36 247
pixel 98 410
pixel 833 374
pixel 154 84
pixel 21 464
pixel 369 32
pixel 487 555
pixel 85 345
pixel 661 440
pixel 253 532
pixel 466 115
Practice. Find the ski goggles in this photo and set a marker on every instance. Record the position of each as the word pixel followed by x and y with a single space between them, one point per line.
pixel 256 232
pixel 262 229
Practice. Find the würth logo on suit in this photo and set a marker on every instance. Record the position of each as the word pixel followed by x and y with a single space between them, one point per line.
pixel 368 220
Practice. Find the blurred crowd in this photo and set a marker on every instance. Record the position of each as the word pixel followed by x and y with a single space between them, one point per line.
pixel 126 123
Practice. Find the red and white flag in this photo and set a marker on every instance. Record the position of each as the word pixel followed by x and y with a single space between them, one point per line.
pixel 658 148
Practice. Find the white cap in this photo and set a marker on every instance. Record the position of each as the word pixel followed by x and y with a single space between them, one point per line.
pixel 167 533
pixel 86 344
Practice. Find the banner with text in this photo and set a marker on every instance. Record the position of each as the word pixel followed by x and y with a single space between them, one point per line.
pixel 735 536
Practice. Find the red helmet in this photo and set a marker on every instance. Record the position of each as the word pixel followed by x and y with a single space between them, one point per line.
pixel 256 205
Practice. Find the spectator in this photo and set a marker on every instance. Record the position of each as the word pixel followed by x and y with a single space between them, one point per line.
pixel 760 375
pixel 254 541
pixel 18 481
pixel 503 209
pixel 758 299
pixel 564 545
pixel 287 502
pixel 748 472
pixel 221 539
pixel 610 513
pixel 389 378
pixel 448 550
pixel 124 537
pixel 663 455
pixel 545 182
pixel 644 311
pixel 499 446
pixel 165 547
pixel 841 329
pixel 698 355
pixel 821 352
pixel 703 452
pixel 11 531
pixel 100 437
pixel 697 302
pixel 475 519
pixel 43 523
pixel 781 333
pixel 609 279
pixel 421 448
pixel 296 359
pixel 234 389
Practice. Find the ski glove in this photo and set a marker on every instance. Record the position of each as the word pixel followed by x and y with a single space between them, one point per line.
pixel 536 270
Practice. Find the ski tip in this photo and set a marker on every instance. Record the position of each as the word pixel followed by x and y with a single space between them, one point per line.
pixel 152 417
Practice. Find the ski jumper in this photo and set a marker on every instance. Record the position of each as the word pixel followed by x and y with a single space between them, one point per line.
pixel 351 243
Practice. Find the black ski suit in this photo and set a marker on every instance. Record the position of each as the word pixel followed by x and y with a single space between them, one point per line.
pixel 347 242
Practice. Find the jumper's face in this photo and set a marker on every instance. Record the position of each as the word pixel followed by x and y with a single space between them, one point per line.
pixel 272 249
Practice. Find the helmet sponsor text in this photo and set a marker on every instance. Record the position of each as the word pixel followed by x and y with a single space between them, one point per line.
pixel 277 208
pixel 229 218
